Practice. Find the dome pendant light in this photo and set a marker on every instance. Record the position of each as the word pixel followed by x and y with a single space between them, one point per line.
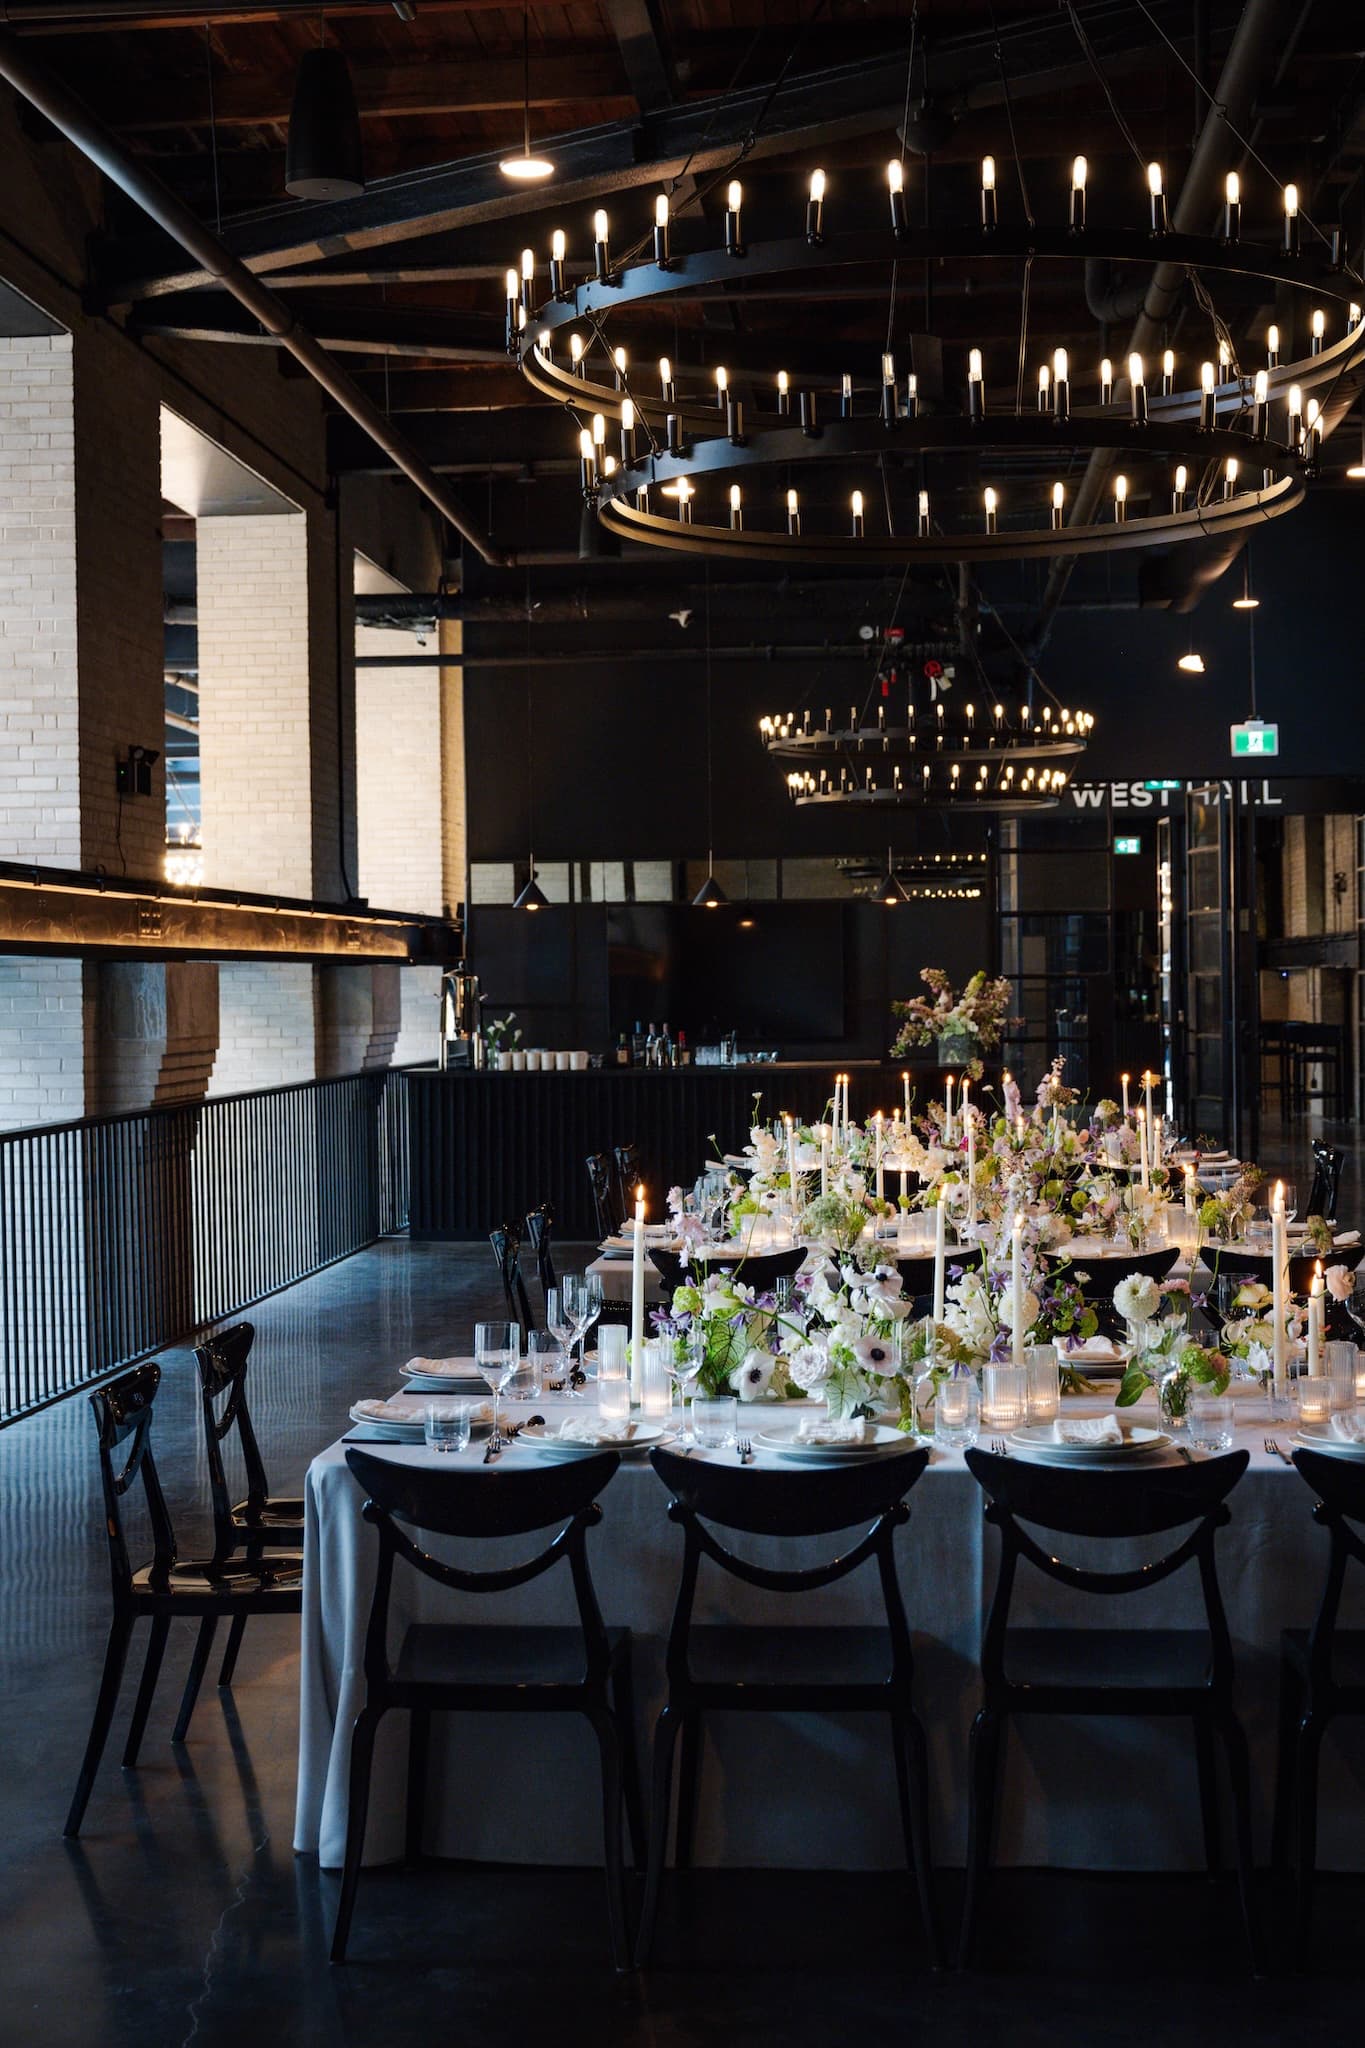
pixel 526 169
pixel 1248 601
pixel 324 158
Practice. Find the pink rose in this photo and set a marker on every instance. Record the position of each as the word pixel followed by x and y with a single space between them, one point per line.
pixel 1341 1282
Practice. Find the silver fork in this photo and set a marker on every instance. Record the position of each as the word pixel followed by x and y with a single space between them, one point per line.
pixel 1275 1452
pixel 744 1450
pixel 1000 1447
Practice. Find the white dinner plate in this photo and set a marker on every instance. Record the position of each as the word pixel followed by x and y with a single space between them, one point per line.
pixel 545 1437
pixel 403 1417
pixel 1038 1438
pixel 442 1376
pixel 1319 1436
pixel 880 1438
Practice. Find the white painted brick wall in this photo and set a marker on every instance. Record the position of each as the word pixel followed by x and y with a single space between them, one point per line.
pixel 42 1041
pixel 398 776
pixel 39 704
pixel 267 1029
pixel 254 703
pixel 419 1034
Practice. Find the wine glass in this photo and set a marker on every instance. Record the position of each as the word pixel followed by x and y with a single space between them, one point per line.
pixel 497 1352
pixel 582 1295
pixel 559 1323
pixel 1291 1201
pixel 684 1361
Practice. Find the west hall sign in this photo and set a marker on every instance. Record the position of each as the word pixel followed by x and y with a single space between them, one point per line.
pixel 1307 795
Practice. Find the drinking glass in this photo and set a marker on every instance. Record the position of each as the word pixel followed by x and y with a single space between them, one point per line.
pixel 613 1389
pixel 714 1417
pixel 684 1360
pixel 445 1425
pixel 1315 1398
pixel 559 1323
pixel 1291 1201
pixel 528 1381
pixel 1210 1418
pixel 583 1301
pixel 1044 1383
pixel 1343 1363
pixel 656 1395
pixel 497 1349
pixel 1004 1396
pixel 957 1413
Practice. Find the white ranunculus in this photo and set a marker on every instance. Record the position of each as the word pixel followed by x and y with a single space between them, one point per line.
pixel 1137 1298
pixel 1029 1304
pixel 809 1366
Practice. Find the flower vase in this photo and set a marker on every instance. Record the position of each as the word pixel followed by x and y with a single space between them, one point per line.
pixel 1173 1400
pixel 958 1048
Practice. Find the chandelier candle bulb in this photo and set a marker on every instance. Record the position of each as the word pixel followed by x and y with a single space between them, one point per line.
pixel 991 503
pixel 857 504
pixel 685 495
pixel 1137 386
pixel 601 248
pixel 924 515
pixel 1044 387
pixel 1120 498
pixel 889 412
pixel 1178 493
pixel 662 250
pixel 1160 218
pixel 673 433
pixel 1318 331
pixel 1061 385
pixel 1058 503
pixel 1295 415
pixel 1272 347
pixel 1232 207
pixel 912 396
pixel 976 389
pixel 810 418
pixel 1167 372
pixel 784 395
pixel 793 513
pixel 627 431
pixel 736 509
pixel 989 215
pixel 618 362
pixel 557 248
pixel 1230 476
pixel 1260 418
pixel 637 1298
pixel 1279 1277
pixel 528 277
pixel 513 301
pixel 846 396
pixel 587 460
pixel 895 185
pixel 722 386
pixel 1106 382
pixel 734 200
pixel 1208 400
pixel 1292 240
pixel 576 355
pixel 815 208
pixel 1078 176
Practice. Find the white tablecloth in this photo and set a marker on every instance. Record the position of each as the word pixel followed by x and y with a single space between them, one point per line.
pixel 798 1791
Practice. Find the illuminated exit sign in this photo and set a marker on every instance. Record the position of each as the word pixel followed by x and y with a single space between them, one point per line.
pixel 1127 845
pixel 1255 738
pixel 1163 785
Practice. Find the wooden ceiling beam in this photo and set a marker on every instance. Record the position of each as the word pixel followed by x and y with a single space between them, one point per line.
pixel 645 55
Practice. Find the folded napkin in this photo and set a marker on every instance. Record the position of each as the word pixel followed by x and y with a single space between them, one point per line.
pixel 1349 1425
pixel 1345 1237
pixel 1091 1350
pixel 825 1430
pixel 1090 1429
pixel 412 1408
pixel 591 1429
pixel 442 1368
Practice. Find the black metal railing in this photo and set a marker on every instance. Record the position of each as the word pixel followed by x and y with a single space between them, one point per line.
pixel 120 1235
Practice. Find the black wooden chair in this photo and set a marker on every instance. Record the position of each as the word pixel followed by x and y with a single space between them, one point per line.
pixel 760 1270
pixel 1242 1266
pixel 605 1199
pixel 1084 1671
pixel 165 1587
pixel 630 1174
pixel 1322 1674
pixel 782 1670
pixel 506 1243
pixel 540 1225
pixel 1326 1183
pixel 262 1522
pixel 459 1668
pixel 1104 1275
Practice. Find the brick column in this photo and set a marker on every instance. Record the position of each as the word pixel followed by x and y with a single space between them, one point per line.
pixel 267 1026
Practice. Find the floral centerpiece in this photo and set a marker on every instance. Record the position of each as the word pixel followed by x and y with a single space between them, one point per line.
pixel 738 1341
pixel 503 1034
pixel 1223 1218
pixel 1165 1355
pixel 959 1025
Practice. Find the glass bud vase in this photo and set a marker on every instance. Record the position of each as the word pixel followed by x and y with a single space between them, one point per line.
pixel 1173 1399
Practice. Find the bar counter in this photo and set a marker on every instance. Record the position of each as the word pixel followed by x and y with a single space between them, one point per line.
pixel 486 1147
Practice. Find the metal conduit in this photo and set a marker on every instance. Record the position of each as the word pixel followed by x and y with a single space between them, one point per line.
pixel 68 114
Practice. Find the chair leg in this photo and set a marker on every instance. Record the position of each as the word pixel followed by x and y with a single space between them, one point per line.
pixel 609 1744
pixel 1307 1747
pixel 1239 1765
pixel 115 1655
pixel 234 1644
pixel 665 1738
pixel 1291 1699
pixel 623 1700
pixel 689 1781
pixel 1207 1767
pixel 199 1663
pixel 419 1749
pixel 912 1784
pixel 983 1769
pixel 151 1671
pixel 357 1813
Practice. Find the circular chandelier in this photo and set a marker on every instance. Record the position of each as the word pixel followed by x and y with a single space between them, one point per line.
pixel 924 746
pixel 721 471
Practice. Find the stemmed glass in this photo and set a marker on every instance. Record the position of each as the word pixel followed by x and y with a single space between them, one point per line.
pixel 559 1323
pixel 684 1360
pixel 583 1304
pixel 497 1351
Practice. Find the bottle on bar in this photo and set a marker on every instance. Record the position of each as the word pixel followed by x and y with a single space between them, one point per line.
pixel 622 1051
pixel 684 1051
pixel 637 1045
pixel 665 1046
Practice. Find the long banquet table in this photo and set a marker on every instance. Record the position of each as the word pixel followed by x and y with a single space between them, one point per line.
pixel 799 1791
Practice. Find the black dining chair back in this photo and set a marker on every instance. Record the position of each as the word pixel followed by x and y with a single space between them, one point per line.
pixel 455 1667
pixel 786 1670
pixel 630 1174
pixel 506 1243
pixel 605 1199
pixel 1322 1674
pixel 261 1521
pixel 1104 1275
pixel 1242 1266
pixel 1108 1671
pixel 540 1225
pixel 759 1270
pixel 204 1589
pixel 1326 1183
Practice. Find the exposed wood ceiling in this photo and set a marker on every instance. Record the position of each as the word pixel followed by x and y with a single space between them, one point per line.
pixel 628 94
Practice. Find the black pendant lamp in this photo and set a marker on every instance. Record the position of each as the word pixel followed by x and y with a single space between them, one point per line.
pixel 890 890
pixel 710 896
pixel 324 159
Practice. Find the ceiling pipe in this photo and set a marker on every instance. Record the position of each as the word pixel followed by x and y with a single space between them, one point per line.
pixel 1215 153
pixel 68 114
pixel 52 17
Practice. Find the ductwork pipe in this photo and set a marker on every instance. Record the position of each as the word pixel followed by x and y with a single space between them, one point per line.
pixel 67 114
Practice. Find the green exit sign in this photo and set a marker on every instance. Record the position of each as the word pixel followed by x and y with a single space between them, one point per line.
pixel 1127 845
pixel 1255 738
pixel 1161 785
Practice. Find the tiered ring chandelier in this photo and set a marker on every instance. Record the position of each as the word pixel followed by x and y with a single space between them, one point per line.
pixel 1209 447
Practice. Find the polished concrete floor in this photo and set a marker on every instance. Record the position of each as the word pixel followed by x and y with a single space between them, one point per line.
pixel 182 1916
